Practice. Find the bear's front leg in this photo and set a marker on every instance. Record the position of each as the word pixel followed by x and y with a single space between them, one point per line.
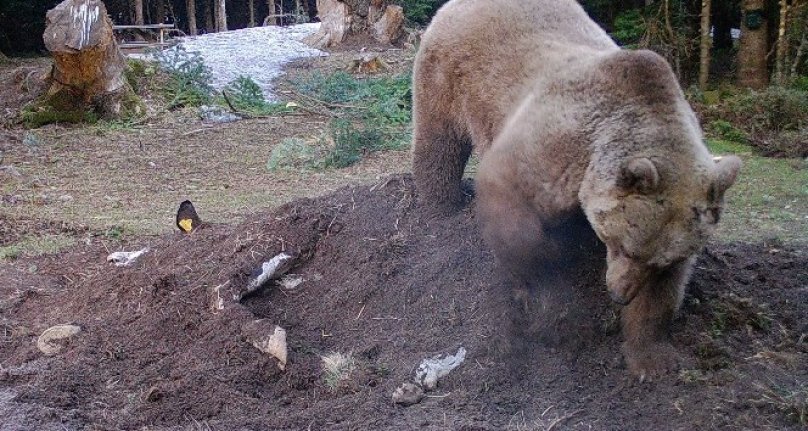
pixel 514 231
pixel 647 320
pixel 439 157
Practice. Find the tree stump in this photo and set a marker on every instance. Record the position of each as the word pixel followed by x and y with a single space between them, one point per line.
pixel 341 19
pixel 87 78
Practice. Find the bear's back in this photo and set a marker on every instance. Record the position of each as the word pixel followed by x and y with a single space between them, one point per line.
pixel 499 23
pixel 479 58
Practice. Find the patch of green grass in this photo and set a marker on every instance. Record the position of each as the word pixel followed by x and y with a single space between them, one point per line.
pixel 110 126
pixel 337 368
pixel 293 154
pixel 246 96
pixel 769 199
pixel 384 100
pixel 342 145
pixel 371 114
pixel 37 116
pixel 726 131
pixel 32 246
pixel 792 402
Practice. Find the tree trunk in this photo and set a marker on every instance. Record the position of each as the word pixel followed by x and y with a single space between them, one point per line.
pixel 221 15
pixel 343 18
pixel 752 48
pixel 191 6
pixel 706 42
pixel 160 12
pixel 782 45
pixel 210 25
pixel 139 12
pixel 795 65
pixel 87 74
pixel 251 5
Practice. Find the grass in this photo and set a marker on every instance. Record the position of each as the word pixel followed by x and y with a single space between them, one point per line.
pixel 32 246
pixel 134 178
pixel 769 200
pixel 337 368
pixel 370 114
pixel 792 402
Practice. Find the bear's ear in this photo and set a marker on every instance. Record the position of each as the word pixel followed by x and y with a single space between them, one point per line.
pixel 726 171
pixel 639 175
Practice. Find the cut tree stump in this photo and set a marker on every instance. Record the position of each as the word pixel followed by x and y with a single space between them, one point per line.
pixel 341 19
pixel 87 79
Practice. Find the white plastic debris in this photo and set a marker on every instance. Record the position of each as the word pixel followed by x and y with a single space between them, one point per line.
pixel 126 258
pixel 439 366
pixel 291 282
pixel 46 342
pixel 272 269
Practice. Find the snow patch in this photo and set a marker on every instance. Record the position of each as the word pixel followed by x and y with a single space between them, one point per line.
pixel 259 52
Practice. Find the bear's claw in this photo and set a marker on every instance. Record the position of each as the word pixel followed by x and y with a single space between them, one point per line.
pixel 651 361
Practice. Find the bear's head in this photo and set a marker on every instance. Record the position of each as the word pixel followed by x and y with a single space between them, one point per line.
pixel 655 213
pixel 652 192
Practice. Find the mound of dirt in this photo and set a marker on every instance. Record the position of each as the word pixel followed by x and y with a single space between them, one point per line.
pixel 388 287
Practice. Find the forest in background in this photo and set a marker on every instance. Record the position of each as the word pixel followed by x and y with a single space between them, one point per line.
pixel 774 45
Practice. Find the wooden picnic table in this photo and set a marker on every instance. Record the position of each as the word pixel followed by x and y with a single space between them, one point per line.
pixel 161 28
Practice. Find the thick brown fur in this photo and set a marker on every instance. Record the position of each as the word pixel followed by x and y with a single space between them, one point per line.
pixel 566 122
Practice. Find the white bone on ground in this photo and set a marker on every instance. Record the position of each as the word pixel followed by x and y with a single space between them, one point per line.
pixel 439 366
pixel 269 271
pixel 59 332
pixel 126 258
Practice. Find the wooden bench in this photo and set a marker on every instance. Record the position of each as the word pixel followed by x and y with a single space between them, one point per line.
pixel 162 29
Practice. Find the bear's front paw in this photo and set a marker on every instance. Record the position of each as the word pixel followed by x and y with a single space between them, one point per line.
pixel 652 360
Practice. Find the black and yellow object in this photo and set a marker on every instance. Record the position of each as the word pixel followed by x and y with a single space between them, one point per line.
pixel 187 219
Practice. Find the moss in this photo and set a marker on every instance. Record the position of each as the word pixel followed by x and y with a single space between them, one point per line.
pixel 40 115
pixel 66 106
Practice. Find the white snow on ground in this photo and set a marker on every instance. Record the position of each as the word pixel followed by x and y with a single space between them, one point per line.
pixel 259 52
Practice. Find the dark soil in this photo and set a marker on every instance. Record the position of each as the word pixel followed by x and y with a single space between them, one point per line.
pixel 391 286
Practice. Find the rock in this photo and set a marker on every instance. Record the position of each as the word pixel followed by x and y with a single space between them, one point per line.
pixel 88 66
pixel 46 343
pixel 434 368
pixel 408 394
pixel 65 198
pixel 390 27
pixel 268 338
pixel 215 114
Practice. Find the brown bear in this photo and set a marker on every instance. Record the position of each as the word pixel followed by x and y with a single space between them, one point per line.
pixel 566 123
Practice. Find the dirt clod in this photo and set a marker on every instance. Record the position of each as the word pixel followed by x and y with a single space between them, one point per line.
pixel 408 394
